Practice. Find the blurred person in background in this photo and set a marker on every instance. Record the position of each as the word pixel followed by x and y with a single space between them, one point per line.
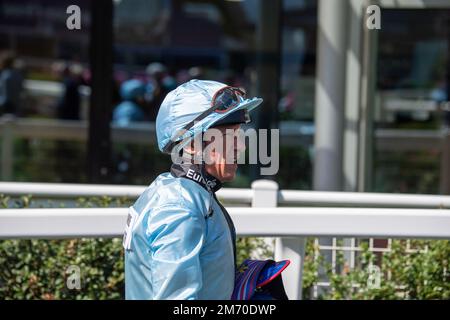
pixel 132 109
pixel 133 105
pixel 11 84
pixel 68 107
pixel 162 83
pixel 439 95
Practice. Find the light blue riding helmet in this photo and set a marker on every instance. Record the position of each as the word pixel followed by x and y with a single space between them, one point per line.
pixel 187 111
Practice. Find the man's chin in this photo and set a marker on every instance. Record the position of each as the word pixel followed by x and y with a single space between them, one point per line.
pixel 230 173
pixel 229 178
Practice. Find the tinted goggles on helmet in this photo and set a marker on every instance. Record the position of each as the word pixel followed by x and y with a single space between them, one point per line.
pixel 226 99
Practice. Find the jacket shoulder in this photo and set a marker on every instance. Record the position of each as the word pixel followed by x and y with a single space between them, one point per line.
pixel 167 190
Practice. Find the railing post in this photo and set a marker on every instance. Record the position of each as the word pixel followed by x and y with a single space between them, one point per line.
pixel 265 194
pixel 7 146
pixel 294 250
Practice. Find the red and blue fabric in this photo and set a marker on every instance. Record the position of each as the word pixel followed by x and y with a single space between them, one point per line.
pixel 254 276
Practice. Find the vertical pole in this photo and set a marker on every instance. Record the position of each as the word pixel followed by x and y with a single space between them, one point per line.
pixel 352 107
pixel 330 95
pixel 352 96
pixel 101 64
pixel 329 102
pixel 445 155
pixel 268 67
pixel 368 83
pixel 7 147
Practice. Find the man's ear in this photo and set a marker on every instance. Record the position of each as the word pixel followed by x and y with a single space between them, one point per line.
pixel 194 152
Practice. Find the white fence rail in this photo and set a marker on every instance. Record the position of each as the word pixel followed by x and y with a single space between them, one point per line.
pixel 261 222
pixel 365 215
pixel 75 190
pixel 238 195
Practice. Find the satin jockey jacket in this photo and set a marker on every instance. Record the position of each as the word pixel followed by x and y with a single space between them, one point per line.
pixel 179 240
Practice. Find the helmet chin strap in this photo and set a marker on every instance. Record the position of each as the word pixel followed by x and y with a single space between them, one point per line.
pixel 202 171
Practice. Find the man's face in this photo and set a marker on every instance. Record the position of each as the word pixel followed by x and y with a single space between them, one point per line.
pixel 221 155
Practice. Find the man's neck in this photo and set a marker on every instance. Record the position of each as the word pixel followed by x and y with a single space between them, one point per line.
pixel 195 173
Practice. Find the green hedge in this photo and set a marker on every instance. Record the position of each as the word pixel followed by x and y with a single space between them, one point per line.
pixel 418 270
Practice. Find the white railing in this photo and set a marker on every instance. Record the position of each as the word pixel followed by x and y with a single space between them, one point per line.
pixel 78 190
pixel 365 215
pixel 250 222
pixel 238 195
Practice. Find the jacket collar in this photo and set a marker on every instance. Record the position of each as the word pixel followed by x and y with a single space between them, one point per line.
pixel 196 173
